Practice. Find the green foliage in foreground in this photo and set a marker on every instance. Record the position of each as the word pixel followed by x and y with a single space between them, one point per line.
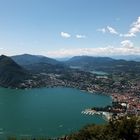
pixel 122 129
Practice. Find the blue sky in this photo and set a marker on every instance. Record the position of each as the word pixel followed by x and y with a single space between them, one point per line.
pixel 61 28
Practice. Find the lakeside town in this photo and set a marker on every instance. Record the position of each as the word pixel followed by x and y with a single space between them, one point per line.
pixel 70 70
pixel 125 95
pixel 122 105
pixel 122 84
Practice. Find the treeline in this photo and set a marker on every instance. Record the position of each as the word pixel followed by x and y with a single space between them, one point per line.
pixel 122 129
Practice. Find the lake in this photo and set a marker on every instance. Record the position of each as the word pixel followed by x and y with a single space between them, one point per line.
pixel 99 72
pixel 49 112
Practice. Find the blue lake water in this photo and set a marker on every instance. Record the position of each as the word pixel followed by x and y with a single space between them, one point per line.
pixel 49 112
pixel 99 72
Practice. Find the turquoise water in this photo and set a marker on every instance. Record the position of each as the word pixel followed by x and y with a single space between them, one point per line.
pixel 46 112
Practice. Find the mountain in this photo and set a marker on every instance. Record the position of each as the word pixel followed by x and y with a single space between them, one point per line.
pixel 106 64
pixel 83 60
pixel 11 73
pixel 28 59
pixel 39 64
pixel 127 57
pixel 89 62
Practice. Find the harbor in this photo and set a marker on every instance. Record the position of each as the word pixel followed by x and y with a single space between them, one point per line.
pixel 106 115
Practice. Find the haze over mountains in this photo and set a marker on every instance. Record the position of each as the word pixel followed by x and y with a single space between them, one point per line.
pixel 26 59
pixel 128 57
pixel 38 63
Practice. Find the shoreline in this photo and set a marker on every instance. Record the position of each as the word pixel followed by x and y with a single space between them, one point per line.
pixel 87 91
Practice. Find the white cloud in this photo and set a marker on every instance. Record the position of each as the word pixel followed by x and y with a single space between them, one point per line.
pixel 111 30
pixel 127 44
pixel 135 28
pixel 65 35
pixel 128 35
pixel 108 29
pixel 124 49
pixel 1 48
pixel 103 30
pixel 80 36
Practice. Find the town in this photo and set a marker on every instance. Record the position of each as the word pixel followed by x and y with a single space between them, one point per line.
pixel 122 105
pixel 125 93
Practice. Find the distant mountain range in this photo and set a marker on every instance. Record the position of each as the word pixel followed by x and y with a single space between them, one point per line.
pixel 106 64
pixel 38 63
pixel 117 57
pixel 127 57
pixel 19 68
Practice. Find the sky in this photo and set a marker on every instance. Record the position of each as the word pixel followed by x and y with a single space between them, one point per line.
pixel 64 28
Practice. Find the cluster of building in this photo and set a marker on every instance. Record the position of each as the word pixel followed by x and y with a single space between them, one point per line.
pixel 125 95
pixel 122 105
pixel 130 102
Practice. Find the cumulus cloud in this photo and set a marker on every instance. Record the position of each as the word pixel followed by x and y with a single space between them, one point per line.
pixel 80 36
pixel 127 35
pixel 112 30
pixel 127 44
pixel 65 35
pixel 108 29
pixel 135 28
pixel 125 49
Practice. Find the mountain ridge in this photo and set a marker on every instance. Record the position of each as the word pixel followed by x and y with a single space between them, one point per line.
pixel 27 59
pixel 39 64
pixel 106 64
pixel 11 73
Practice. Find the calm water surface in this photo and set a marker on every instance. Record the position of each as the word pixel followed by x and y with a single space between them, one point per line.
pixel 46 112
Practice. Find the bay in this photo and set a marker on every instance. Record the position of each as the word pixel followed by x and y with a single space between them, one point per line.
pixel 49 112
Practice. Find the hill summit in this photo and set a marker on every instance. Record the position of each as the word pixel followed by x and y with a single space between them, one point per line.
pixel 11 73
